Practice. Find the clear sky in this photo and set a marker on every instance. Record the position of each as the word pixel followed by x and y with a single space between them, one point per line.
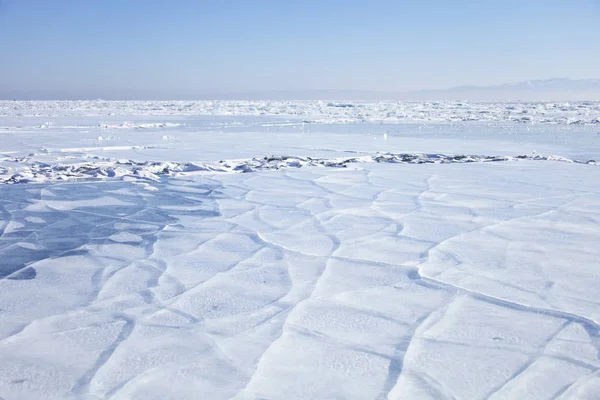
pixel 189 48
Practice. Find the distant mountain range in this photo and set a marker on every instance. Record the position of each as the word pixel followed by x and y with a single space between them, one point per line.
pixel 542 89
pixel 540 85
pixel 536 90
pixel 557 89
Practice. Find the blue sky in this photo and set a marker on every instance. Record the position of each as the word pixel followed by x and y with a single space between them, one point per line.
pixel 187 49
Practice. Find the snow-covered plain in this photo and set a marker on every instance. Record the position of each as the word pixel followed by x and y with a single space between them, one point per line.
pixel 154 250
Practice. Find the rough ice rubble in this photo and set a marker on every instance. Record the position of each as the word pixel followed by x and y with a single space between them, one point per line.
pixel 132 125
pixel 107 125
pixel 582 113
pixel 38 172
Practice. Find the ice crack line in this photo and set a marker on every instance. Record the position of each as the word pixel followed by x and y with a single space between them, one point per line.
pixel 27 171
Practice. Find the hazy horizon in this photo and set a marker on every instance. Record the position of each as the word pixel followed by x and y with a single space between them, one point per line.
pixel 559 90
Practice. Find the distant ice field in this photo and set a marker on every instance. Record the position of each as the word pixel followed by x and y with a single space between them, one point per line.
pixel 155 254
pixel 259 134
pixel 100 142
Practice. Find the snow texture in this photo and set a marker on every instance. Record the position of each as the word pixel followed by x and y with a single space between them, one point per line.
pixel 377 263
pixel 587 112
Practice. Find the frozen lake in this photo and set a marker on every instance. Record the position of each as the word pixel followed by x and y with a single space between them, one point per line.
pixel 152 252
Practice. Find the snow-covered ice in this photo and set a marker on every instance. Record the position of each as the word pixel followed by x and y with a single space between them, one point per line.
pixel 231 250
pixel 574 113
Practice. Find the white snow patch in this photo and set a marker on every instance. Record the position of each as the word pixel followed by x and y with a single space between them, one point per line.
pixel 35 220
pixel 125 237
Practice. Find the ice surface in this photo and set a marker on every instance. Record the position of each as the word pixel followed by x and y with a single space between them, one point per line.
pixel 347 266
pixel 575 113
